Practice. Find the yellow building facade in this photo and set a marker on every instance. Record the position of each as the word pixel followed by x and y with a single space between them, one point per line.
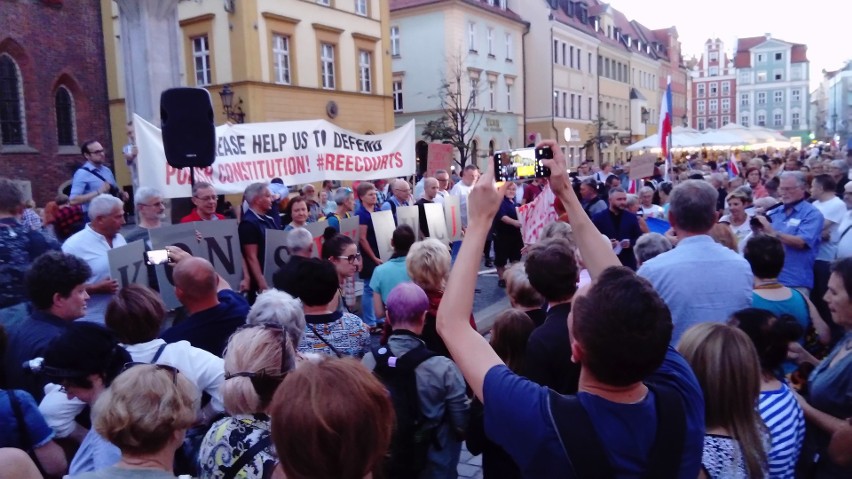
pixel 284 59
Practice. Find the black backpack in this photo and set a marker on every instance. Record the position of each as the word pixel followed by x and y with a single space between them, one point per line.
pixel 413 434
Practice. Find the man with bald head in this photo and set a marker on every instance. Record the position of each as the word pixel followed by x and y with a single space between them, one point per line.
pixel 430 192
pixel 214 311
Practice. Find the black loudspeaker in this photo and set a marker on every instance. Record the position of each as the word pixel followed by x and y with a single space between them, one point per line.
pixel 189 134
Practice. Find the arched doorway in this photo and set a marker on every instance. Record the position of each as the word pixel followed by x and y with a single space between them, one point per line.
pixel 421 151
pixel 491 147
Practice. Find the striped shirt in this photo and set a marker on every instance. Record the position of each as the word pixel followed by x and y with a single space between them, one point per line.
pixel 786 425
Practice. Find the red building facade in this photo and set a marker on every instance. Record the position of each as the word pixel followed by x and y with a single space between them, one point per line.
pixel 53 92
pixel 714 88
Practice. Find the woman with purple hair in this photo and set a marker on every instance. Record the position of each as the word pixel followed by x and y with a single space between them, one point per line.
pixel 440 385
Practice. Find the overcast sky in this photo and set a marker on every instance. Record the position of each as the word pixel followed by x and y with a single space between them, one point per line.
pixel 824 26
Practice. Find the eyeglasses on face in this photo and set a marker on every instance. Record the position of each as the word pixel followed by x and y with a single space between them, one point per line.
pixel 96 152
pixel 352 258
pixel 173 371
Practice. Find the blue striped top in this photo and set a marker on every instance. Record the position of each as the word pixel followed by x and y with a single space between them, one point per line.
pixel 786 424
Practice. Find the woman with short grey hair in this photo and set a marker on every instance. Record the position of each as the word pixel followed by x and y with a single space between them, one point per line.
pixel 650 245
pixel 279 308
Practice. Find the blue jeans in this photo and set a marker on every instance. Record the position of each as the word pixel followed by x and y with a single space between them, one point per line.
pixel 368 314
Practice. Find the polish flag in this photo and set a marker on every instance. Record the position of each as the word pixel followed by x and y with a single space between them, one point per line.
pixel 733 169
pixel 665 126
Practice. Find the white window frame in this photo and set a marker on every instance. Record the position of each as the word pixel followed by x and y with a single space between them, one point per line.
pixel 714 89
pixel 726 105
pixel 744 99
pixel 490 41
pixel 761 119
pixel 394 41
pixel 713 106
pixel 795 119
pixel 744 120
pixel 796 95
pixel 361 7
pixel 201 52
pixel 474 92
pixel 397 95
pixel 761 76
pixel 327 65
pixel 777 119
pixel 510 45
pixel 702 90
pixel 365 71
pixel 726 88
pixel 281 59
pixel 778 96
pixel 492 96
pixel 701 107
pixel 761 98
pixel 508 97
pixel 471 36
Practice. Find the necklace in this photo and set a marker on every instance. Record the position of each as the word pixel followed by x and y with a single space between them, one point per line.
pixel 768 285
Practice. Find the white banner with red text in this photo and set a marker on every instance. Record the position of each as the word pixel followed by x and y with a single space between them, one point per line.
pixel 298 152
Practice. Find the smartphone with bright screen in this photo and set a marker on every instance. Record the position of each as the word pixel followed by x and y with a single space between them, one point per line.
pixel 515 165
pixel 521 164
pixel 157 256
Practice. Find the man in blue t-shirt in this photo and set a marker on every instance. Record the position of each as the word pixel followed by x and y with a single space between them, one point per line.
pixel 214 310
pixel 640 407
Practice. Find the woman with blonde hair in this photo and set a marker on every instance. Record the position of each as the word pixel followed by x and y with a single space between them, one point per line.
pixel 145 413
pixel 727 367
pixel 428 266
pixel 522 295
pixel 257 359
pixel 331 420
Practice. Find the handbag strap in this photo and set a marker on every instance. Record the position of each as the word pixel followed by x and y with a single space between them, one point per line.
pixel 158 353
pixel 230 472
pixel 95 172
pixel 317 334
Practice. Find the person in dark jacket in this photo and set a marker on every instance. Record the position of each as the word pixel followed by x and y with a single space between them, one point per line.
pixel 620 226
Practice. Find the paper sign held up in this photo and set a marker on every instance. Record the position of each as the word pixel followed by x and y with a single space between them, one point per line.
pixel 642 166
pixel 384 225
pixel 440 157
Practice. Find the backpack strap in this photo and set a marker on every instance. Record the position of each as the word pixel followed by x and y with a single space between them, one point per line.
pixel 666 453
pixel 230 472
pixel 579 439
pixel 158 353
pixel 586 452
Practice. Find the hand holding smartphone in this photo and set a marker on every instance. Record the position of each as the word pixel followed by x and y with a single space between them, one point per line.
pixel 521 164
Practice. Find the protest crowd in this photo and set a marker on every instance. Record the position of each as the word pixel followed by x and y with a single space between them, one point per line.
pixel 694 323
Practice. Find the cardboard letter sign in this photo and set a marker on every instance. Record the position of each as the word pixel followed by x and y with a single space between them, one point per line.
pixel 436 222
pixel 127 264
pixel 409 215
pixel 219 244
pixel 276 254
pixel 452 211
pixel 384 226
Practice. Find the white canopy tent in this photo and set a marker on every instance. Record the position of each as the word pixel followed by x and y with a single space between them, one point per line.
pixel 731 135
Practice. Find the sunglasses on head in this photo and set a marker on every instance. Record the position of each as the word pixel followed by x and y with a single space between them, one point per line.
pixel 265 383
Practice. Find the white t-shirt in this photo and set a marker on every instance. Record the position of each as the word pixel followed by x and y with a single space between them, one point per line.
pixel 833 210
pixel 653 211
pixel 843 241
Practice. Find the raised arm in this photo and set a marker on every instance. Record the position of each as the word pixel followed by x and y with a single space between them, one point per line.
pixel 469 350
pixel 597 254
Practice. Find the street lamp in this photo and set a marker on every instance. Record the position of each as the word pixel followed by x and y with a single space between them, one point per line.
pixel 232 113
